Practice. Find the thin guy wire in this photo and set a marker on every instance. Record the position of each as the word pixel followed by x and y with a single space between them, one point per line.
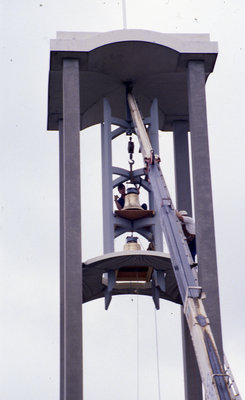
pixel 157 352
pixel 138 364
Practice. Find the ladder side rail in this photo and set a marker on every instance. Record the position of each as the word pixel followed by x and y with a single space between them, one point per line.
pixel 155 171
pixel 145 144
pixel 232 383
pixel 179 252
pixel 171 228
pixel 214 378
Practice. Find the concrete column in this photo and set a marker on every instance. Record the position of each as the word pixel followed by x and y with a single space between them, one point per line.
pixel 107 185
pixel 206 251
pixel 181 165
pixel 62 280
pixel 154 127
pixel 193 384
pixel 70 234
pixel 154 138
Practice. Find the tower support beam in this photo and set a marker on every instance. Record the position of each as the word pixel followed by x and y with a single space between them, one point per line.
pixel 154 137
pixel 185 81
pixel 193 384
pixel 70 237
pixel 106 159
pixel 205 237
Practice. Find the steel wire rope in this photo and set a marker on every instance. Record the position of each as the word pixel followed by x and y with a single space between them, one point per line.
pixel 157 345
pixel 138 347
pixel 157 355
pixel 138 335
pixel 137 342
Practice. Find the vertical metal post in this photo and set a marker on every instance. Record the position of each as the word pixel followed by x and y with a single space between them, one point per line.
pixel 154 138
pixel 70 226
pixel 193 384
pixel 106 159
pixel 206 251
pixel 124 14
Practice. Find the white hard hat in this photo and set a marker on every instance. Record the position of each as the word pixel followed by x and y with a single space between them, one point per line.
pixel 183 212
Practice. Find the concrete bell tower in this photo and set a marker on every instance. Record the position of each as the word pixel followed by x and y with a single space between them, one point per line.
pixel 87 79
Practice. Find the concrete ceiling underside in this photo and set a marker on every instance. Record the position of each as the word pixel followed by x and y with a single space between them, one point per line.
pixel 154 64
pixel 93 270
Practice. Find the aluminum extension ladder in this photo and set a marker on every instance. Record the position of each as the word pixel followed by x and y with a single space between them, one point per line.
pixel 217 380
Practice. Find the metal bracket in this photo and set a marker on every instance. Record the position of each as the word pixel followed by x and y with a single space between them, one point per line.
pixel 111 276
pixel 196 289
pixel 158 282
pixel 155 295
pixel 159 278
pixel 224 375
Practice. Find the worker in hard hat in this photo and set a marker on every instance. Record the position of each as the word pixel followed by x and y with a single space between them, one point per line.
pixel 189 229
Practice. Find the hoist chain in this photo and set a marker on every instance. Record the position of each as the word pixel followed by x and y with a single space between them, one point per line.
pixel 131 160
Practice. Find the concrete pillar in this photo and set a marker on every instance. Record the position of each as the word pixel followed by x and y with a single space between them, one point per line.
pixel 182 166
pixel 62 278
pixel 154 138
pixel 70 237
pixel 154 127
pixel 107 185
pixel 193 384
pixel 206 251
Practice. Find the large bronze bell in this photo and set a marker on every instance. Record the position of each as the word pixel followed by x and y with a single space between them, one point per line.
pixel 131 244
pixel 132 200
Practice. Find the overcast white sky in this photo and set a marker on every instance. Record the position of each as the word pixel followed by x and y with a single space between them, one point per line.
pixel 29 228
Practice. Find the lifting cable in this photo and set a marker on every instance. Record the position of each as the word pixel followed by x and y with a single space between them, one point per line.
pixel 157 354
pixel 124 14
pixel 137 346
pixel 137 350
pixel 156 340
pixel 138 360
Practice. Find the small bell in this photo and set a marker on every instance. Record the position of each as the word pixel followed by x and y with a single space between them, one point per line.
pixel 132 200
pixel 131 243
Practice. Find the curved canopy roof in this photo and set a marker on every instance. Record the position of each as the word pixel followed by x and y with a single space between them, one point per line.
pixel 155 63
pixel 93 269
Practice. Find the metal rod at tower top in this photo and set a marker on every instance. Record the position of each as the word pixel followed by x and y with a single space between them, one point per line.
pixel 124 14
